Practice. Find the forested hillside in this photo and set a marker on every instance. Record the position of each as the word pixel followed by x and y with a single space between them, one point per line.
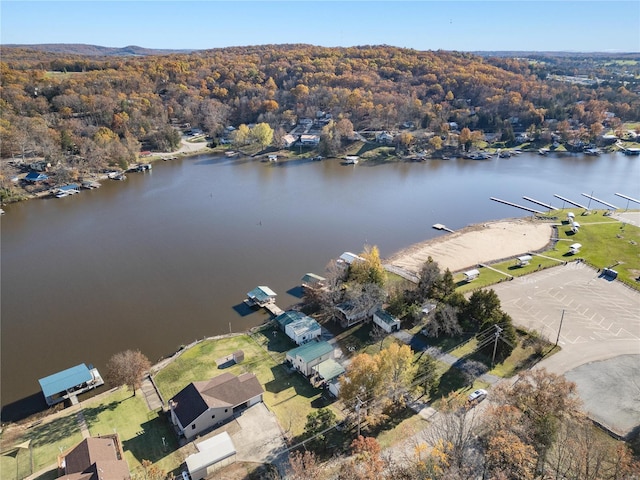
pixel 88 112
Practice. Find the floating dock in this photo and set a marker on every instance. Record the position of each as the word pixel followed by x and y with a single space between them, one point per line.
pixel 591 197
pixel 571 202
pixel 628 199
pixel 439 226
pixel 532 210
pixel 538 202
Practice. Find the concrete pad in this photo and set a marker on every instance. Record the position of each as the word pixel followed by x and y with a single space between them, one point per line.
pixel 609 392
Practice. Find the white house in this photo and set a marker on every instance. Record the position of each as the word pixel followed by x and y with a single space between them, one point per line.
pixel 574 248
pixel 213 453
pixel 309 140
pixel 288 140
pixel 303 330
pixel 384 138
pixel 202 405
pixel 307 356
pixel 386 321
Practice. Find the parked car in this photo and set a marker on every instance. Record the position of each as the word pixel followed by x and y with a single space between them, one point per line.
pixel 478 395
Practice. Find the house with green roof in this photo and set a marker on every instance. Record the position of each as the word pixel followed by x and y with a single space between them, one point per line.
pixel 311 280
pixel 307 356
pixel 261 296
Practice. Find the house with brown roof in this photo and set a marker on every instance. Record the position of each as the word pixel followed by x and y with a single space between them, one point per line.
pixel 95 459
pixel 202 405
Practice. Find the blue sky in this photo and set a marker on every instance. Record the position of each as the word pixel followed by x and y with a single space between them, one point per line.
pixel 556 25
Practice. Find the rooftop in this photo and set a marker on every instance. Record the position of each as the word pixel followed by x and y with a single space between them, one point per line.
pixel 329 369
pixel 65 380
pixel 311 351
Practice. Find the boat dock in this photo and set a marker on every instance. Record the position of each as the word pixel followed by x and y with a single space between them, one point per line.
pixel 532 210
pixel 538 202
pixel 273 309
pixel 69 383
pixel 439 226
pixel 591 197
pixel 628 199
pixel 570 201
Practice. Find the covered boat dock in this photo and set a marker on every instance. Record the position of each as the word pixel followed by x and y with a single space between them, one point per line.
pixel 69 383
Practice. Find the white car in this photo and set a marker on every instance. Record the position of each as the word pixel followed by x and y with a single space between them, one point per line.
pixel 478 395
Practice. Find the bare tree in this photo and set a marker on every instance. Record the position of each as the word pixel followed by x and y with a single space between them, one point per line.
pixel 127 368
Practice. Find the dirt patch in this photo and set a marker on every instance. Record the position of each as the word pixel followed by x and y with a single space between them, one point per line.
pixel 474 244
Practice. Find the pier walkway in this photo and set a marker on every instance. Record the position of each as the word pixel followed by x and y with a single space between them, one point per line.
pixel 273 309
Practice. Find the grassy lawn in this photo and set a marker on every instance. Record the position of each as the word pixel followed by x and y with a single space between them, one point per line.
pixel 141 431
pixel 487 277
pixel 605 243
pixel 288 395
pixel 47 440
pixel 402 431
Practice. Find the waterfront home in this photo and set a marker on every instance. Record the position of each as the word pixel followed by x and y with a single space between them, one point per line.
pixel 309 140
pixel 303 330
pixel 386 321
pixel 261 296
pixel 348 258
pixel 288 140
pixel 34 177
pixel 214 453
pixel 307 356
pixel 67 190
pixel 385 138
pixel 95 459
pixel 349 314
pixel 69 383
pixel 311 280
pixel 201 405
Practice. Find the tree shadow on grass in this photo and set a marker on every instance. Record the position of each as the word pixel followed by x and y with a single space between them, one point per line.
pixel 55 431
pixel 276 340
pixel 450 381
pixel 155 440
pixel 91 414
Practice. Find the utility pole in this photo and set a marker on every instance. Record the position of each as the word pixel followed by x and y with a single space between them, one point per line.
pixel 559 328
pixel 495 344
pixel 358 405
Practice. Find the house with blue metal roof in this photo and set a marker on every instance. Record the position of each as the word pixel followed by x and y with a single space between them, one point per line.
pixel 69 383
pixel 34 177
pixel 307 356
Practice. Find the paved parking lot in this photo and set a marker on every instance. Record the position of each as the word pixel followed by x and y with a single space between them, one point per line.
pixel 601 322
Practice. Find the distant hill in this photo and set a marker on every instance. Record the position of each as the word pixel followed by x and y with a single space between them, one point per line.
pixel 527 54
pixel 96 50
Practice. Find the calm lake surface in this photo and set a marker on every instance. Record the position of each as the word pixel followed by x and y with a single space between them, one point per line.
pixel 167 257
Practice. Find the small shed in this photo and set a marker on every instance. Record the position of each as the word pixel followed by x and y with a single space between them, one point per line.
pixel 574 248
pixel 523 260
pixel 570 216
pixel 213 453
pixel 575 226
pixel 386 321
pixel 471 274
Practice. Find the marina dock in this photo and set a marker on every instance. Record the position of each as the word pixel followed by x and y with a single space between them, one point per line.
pixel 538 202
pixel 591 197
pixel 532 210
pixel 570 201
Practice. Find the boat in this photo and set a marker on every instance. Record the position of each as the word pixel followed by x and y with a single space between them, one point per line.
pixel 504 154
pixel 594 152
pixel 117 176
pixel 67 190
pixel 350 160
pixel 543 151
pixel 89 185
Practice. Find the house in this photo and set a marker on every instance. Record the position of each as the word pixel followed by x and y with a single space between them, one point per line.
pixel 311 280
pixel 385 138
pixel 348 258
pixel 471 275
pixel 307 356
pixel 303 330
pixel 261 296
pixel 201 405
pixel 326 374
pixel 386 321
pixel 349 314
pixel 34 177
pixel 309 140
pixel 68 383
pixel 288 140
pixel 288 317
pixel 213 454
pixel 95 459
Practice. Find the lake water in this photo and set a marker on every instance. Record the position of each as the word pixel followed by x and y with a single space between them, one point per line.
pixel 168 256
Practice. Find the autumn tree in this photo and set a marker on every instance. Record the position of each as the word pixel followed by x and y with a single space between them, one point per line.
pixel 464 139
pixel 304 466
pixel 241 135
pixel 366 462
pixel 397 371
pixel 370 270
pixel 263 134
pixel 127 368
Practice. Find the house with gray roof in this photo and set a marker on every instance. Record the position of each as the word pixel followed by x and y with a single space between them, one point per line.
pixel 386 321
pixel 261 296
pixel 202 405
pixel 307 356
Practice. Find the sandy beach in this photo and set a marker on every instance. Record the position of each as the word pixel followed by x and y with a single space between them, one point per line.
pixel 475 244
